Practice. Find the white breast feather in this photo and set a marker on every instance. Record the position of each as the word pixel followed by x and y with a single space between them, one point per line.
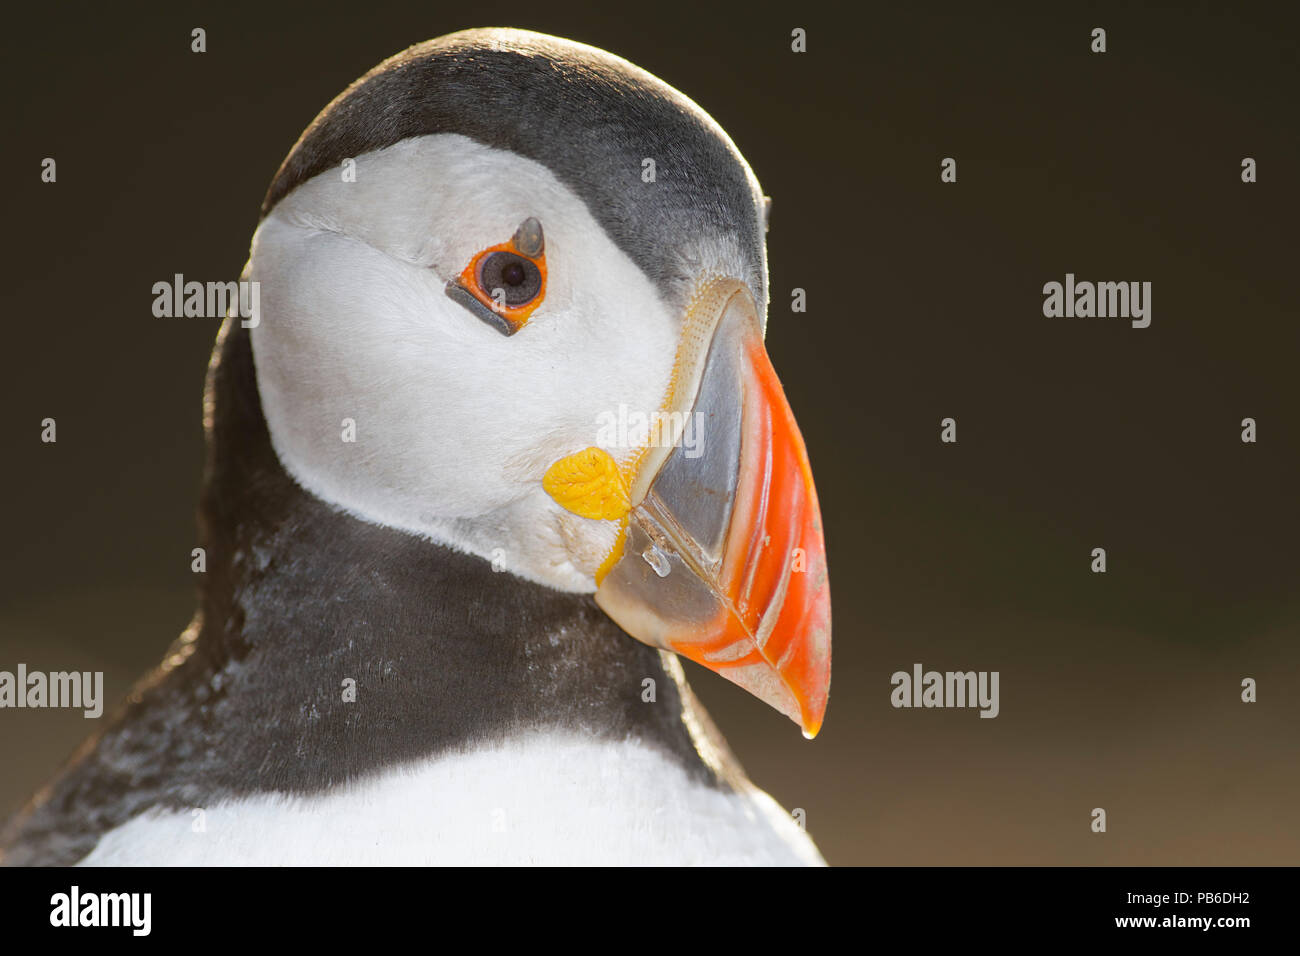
pixel 547 800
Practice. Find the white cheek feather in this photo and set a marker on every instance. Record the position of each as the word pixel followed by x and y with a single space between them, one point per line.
pixel 451 417
pixel 555 800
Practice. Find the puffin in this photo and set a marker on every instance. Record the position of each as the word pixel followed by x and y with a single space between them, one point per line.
pixel 502 445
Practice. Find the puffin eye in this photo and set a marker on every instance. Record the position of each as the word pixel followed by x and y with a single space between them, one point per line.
pixel 509 279
pixel 503 284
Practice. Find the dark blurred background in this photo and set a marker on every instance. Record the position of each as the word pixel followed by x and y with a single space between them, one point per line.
pixel 1119 690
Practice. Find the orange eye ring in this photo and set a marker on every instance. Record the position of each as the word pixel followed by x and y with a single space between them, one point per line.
pixel 507 280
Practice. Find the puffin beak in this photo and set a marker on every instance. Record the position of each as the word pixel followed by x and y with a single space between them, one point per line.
pixel 722 558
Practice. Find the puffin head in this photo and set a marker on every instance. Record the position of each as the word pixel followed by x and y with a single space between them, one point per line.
pixel 513 292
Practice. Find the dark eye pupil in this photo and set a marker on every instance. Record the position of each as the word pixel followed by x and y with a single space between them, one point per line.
pixel 513 274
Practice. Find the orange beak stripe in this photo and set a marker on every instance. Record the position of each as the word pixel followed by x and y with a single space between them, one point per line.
pixel 773 636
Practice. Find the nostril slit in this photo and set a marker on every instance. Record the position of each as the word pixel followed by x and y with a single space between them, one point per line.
pixel 657 560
